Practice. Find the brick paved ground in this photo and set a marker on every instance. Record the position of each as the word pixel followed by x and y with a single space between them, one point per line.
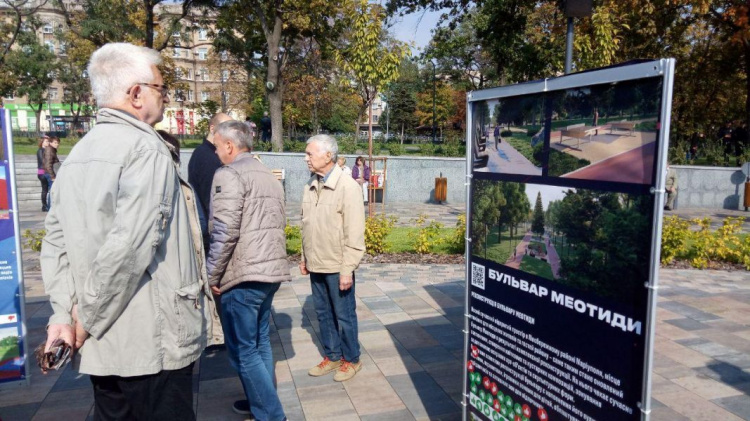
pixel 410 331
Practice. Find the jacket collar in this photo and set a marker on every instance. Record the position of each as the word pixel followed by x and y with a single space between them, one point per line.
pixel 331 181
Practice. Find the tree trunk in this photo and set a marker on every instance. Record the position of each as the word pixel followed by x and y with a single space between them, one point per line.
pixel 747 83
pixel 150 23
pixel 38 115
pixel 275 94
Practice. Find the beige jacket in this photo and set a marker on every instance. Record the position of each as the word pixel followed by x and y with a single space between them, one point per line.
pixel 123 242
pixel 247 223
pixel 333 224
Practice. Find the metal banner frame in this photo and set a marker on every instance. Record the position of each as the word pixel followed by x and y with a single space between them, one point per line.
pixel 662 69
pixel 19 296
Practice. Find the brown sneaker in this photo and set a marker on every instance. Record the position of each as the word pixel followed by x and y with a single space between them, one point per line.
pixel 347 371
pixel 325 367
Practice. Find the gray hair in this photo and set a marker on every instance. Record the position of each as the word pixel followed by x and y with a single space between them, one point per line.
pixel 236 132
pixel 116 67
pixel 327 143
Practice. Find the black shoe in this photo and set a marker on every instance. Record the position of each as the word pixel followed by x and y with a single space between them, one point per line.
pixel 241 407
pixel 45 209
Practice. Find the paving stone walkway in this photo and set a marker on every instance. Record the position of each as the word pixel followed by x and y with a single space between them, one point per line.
pixel 411 320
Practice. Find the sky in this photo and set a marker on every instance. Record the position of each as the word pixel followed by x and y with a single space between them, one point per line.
pixel 549 193
pixel 416 28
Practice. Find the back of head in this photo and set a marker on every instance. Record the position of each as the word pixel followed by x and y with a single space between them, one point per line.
pixel 219 118
pixel 116 67
pixel 236 132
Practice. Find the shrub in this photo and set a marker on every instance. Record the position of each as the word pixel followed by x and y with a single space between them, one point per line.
pixel 506 133
pixel 452 148
pixel 674 236
pixel 428 235
pixel 293 239
pixel 396 149
pixel 427 149
pixel 34 239
pixel 457 239
pixel 377 229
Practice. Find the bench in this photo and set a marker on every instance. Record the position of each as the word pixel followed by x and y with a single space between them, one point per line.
pixel 280 174
pixel 579 131
pixel 624 125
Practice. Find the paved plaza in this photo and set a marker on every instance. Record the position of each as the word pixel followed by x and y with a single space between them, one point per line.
pixel 411 321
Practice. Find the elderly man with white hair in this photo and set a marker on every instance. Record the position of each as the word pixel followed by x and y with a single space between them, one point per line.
pixel 333 243
pixel 122 260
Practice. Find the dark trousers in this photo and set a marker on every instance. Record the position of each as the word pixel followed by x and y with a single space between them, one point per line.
pixel 45 189
pixel 167 395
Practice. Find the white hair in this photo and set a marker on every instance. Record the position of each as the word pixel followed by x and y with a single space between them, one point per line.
pixel 116 67
pixel 236 132
pixel 327 143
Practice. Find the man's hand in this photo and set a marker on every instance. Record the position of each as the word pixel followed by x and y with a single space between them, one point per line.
pixel 65 332
pixel 80 334
pixel 303 268
pixel 216 290
pixel 345 282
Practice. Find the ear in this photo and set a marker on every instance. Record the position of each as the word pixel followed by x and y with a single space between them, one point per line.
pixel 136 94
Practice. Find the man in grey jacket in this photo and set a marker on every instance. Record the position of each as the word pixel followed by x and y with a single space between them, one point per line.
pixel 122 260
pixel 247 262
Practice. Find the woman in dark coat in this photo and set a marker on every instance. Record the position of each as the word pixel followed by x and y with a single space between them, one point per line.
pixel 40 173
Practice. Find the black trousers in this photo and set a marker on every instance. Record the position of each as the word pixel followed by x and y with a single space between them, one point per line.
pixel 167 395
pixel 45 188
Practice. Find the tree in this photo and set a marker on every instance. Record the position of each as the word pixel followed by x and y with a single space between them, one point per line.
pixel 444 106
pixel 486 210
pixel 268 29
pixel 371 58
pixel 402 108
pixel 72 74
pixel 17 15
pixel 537 219
pixel 150 23
pixel 460 55
pixel 34 66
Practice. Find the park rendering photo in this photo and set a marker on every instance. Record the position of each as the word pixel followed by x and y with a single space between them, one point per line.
pixel 590 240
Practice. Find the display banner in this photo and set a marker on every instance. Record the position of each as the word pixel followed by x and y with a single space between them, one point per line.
pixel 564 226
pixel 13 349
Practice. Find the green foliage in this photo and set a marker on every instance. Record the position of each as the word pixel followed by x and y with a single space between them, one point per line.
pixel 377 229
pixel 509 133
pixel 427 236
pixel 34 239
pixel 561 163
pixel 456 241
pixel 537 267
pixel 396 149
pixel 537 220
pixel 293 235
pixel 294 146
pixel 724 245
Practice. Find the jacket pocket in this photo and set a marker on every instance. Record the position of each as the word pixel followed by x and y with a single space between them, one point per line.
pixel 187 307
pixel 161 222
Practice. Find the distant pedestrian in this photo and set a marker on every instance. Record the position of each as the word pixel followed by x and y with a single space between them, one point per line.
pixel 671 188
pixel 51 164
pixel 361 174
pixel 40 173
pixel 265 127
pixel 344 167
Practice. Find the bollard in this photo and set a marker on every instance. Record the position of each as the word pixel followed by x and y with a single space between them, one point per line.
pixel 747 194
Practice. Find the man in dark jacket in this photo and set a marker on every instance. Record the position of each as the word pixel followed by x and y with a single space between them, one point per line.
pixel 265 127
pixel 247 262
pixel 203 164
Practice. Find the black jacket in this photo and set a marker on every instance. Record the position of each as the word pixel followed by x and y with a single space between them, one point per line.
pixel 201 168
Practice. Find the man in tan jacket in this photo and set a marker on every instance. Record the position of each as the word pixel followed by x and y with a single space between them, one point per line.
pixel 333 243
pixel 247 262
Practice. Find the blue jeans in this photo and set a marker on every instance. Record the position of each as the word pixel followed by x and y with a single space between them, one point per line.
pixel 337 316
pixel 49 190
pixel 246 309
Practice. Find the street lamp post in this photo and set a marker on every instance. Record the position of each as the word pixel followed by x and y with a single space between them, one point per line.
pixel 434 89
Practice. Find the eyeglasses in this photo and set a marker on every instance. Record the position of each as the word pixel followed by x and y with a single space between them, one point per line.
pixel 163 89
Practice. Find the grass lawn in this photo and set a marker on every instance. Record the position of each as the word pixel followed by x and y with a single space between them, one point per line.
pixel 537 267
pixel 561 163
pixel 398 242
pixel 522 143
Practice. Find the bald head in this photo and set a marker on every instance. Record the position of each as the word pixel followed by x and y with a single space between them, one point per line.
pixel 217 119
